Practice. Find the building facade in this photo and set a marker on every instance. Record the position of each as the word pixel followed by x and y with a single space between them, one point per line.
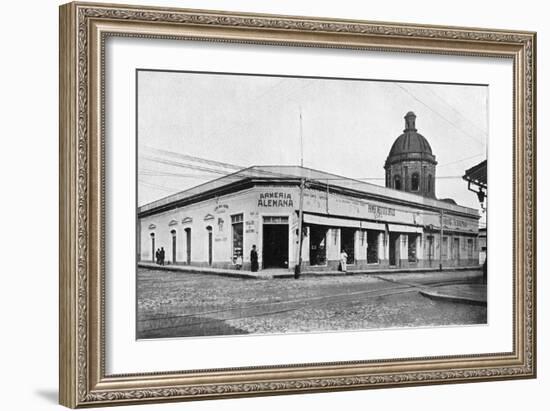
pixel 397 226
pixel 376 226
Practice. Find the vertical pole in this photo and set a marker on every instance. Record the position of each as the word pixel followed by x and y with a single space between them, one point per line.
pixel 138 240
pixel 301 141
pixel 298 266
pixel 328 192
pixel 440 240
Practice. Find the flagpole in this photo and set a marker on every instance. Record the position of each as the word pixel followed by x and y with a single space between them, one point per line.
pixel 301 141
pixel 298 267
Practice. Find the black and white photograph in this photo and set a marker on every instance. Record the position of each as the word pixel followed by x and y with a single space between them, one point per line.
pixel 271 204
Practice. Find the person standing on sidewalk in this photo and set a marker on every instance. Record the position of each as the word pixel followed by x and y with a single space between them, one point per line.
pixel 253 259
pixel 239 262
pixel 344 261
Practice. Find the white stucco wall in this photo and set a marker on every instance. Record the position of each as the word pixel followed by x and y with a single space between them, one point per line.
pixel 216 213
pixel 282 201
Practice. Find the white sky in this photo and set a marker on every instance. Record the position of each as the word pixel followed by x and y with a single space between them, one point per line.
pixel 348 127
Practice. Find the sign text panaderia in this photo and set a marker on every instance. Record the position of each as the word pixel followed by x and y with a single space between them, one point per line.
pixel 275 199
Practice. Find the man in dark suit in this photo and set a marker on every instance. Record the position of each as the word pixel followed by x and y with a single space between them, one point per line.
pixel 253 259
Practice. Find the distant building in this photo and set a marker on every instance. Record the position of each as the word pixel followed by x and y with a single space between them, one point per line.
pixel 482 244
pixel 400 225
pixel 476 177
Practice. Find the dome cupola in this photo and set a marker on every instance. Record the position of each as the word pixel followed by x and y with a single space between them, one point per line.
pixel 410 165
pixel 410 144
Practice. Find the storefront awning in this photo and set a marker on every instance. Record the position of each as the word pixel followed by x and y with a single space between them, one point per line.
pixel 342 222
pixel 452 230
pixel 398 228
pixel 373 226
pixel 330 221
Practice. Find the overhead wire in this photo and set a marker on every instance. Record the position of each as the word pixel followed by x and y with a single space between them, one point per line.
pixel 239 171
pixel 457 112
pixel 473 138
pixel 321 180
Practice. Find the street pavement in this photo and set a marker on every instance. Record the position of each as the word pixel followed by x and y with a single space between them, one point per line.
pixel 175 304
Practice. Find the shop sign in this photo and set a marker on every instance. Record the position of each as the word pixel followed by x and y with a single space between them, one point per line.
pixel 275 199
pixel 221 208
pixel 380 211
pixel 454 222
pixel 250 226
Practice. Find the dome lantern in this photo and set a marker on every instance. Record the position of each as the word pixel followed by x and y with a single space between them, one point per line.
pixel 410 119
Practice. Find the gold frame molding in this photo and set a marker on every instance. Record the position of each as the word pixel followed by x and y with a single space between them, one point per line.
pixel 83 30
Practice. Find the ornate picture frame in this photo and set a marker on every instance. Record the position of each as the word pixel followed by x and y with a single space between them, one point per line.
pixel 84 29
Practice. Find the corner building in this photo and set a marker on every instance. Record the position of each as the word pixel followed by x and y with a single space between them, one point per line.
pixel 401 225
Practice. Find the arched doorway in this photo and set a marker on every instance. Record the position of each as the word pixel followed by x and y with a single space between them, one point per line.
pixel 188 244
pixel 153 256
pixel 174 246
pixel 209 230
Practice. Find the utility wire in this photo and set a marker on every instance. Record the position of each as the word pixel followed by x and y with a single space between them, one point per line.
pixel 159 151
pixel 147 172
pixel 158 186
pixel 439 114
pixel 461 160
pixel 236 175
pixel 444 101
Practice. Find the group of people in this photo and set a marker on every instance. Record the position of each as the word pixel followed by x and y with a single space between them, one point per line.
pixel 159 256
pixel 253 260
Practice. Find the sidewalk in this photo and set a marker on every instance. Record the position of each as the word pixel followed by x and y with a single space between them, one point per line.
pixel 286 273
pixel 463 293
pixel 207 270
pixel 463 287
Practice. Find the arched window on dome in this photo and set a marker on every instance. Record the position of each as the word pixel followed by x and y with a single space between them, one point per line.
pixel 415 182
pixel 397 182
pixel 429 183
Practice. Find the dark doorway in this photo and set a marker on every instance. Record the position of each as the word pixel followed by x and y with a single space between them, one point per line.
pixel 174 243
pixel 275 246
pixel 372 247
pixel 394 248
pixel 430 246
pixel 348 243
pixel 188 244
pixel 153 256
pixel 456 248
pixel 317 245
pixel 209 229
pixel 412 238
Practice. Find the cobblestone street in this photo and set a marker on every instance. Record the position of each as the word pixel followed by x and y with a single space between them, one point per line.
pixel 173 304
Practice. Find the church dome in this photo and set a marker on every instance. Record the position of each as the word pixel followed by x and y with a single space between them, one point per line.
pixel 410 145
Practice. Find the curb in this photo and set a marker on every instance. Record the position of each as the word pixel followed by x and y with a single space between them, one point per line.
pixel 251 275
pixel 377 272
pixel 452 298
pixel 207 271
